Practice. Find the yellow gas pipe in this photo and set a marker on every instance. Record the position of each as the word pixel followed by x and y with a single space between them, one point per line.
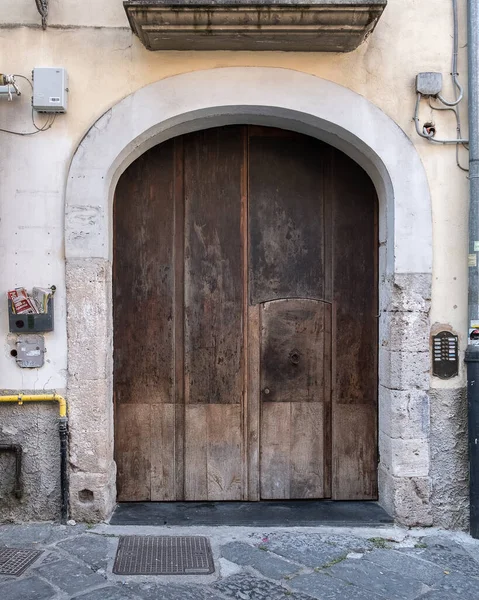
pixel 63 430
pixel 21 398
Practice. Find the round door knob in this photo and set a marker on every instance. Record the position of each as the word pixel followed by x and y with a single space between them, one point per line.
pixel 266 391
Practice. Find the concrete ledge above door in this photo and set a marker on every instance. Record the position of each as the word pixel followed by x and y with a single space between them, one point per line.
pixel 285 25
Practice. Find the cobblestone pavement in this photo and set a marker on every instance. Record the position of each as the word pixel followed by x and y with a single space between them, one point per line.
pixel 251 564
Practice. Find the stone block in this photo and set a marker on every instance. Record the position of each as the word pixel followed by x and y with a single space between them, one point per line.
pixel 92 495
pixel 91 425
pixel 88 283
pixel 404 370
pixel 407 499
pixel 406 331
pixel 404 458
pixel 406 292
pixel 404 414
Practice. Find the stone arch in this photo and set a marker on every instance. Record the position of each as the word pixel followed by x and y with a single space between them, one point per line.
pixel 289 100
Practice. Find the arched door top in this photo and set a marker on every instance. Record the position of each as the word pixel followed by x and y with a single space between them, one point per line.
pixel 269 96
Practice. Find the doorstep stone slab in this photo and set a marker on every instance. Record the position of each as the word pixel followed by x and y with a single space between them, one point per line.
pixel 31 588
pixel 260 559
pixel 382 581
pixel 324 587
pixel 247 587
pixel 69 576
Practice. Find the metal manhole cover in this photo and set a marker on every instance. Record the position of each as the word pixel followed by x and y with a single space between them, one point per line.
pixel 163 555
pixel 14 561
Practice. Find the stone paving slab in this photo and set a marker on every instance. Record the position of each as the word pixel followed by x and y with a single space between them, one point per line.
pixel 382 581
pixel 407 566
pixel 315 550
pixel 175 592
pixel 30 588
pixel 260 559
pixel 69 576
pixel 452 558
pixel 324 587
pixel 247 587
pixel 110 592
pixel 91 549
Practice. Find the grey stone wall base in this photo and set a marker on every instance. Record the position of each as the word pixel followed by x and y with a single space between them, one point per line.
pixel 449 458
pixel 35 427
pixel 92 495
pixel 407 499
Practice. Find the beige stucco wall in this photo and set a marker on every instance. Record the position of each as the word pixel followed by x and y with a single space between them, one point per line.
pixel 106 62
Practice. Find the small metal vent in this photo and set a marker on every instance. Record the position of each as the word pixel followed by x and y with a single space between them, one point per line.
pixel 14 561
pixel 163 555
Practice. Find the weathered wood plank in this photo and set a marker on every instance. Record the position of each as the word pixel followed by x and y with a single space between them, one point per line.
pixel 162 452
pixel 286 216
pixel 225 452
pixel 213 449
pixel 307 451
pixel 275 450
pixel 253 401
pixel 179 308
pixel 213 267
pixel 196 452
pixel 132 452
pixel 354 408
pixel 143 276
pixel 355 452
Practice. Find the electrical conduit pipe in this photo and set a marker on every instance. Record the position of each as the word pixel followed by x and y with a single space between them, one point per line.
pixel 63 431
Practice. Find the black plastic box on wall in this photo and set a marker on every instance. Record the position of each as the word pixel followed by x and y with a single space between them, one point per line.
pixel 31 323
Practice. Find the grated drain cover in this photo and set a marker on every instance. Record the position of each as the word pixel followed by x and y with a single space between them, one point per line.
pixel 163 555
pixel 14 561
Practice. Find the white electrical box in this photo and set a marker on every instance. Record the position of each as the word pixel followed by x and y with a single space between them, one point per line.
pixel 50 89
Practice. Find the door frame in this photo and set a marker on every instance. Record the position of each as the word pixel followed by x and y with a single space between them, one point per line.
pixel 289 100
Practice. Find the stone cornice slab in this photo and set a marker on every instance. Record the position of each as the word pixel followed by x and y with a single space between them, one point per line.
pixel 301 26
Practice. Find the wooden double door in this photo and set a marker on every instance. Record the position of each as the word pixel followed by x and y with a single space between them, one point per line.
pixel 245 320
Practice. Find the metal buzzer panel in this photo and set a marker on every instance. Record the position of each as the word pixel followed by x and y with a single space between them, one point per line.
pixel 445 362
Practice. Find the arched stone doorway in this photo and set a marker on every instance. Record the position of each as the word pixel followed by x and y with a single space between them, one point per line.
pixel 278 98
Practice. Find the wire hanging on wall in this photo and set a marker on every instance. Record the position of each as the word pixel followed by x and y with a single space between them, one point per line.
pixel 42 6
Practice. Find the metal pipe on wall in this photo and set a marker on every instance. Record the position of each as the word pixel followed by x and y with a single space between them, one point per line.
pixel 472 352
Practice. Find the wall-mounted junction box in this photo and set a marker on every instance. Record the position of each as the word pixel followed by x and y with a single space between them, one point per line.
pixel 429 84
pixel 50 89
pixel 30 351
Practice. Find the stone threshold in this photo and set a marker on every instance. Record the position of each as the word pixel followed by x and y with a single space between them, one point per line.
pixel 292 513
